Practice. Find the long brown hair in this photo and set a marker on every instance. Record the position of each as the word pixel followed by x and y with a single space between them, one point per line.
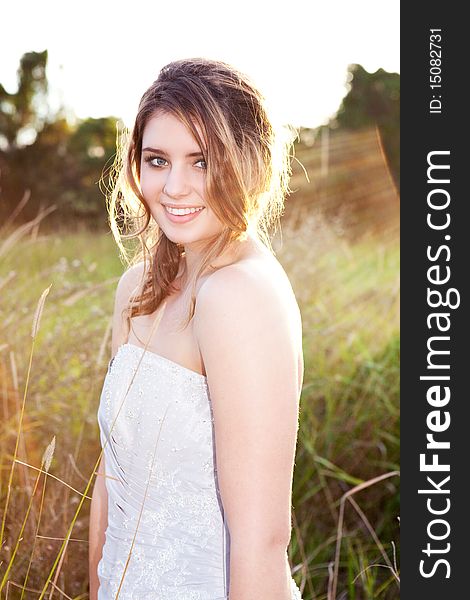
pixel 248 171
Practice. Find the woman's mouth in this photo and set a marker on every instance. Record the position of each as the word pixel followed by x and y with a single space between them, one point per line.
pixel 183 214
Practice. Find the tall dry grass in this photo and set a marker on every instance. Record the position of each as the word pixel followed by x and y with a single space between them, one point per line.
pixel 345 495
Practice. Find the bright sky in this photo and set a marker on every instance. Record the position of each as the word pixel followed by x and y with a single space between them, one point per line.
pixel 103 54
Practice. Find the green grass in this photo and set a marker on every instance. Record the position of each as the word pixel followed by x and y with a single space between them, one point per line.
pixel 349 418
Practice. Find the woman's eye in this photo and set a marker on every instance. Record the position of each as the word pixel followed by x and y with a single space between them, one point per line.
pixel 204 164
pixel 159 161
pixel 155 161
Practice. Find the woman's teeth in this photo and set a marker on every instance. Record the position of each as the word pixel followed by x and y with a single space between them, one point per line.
pixel 182 211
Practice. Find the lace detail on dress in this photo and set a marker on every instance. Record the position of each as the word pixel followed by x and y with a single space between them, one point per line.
pixel 295 591
pixel 166 537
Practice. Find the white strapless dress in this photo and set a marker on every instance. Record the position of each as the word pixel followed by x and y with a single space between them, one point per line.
pixel 166 537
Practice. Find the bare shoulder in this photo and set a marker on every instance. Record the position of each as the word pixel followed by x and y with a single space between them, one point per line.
pixel 128 285
pixel 251 307
pixel 131 280
pixel 252 288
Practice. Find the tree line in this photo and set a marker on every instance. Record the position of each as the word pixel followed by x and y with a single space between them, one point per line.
pixel 59 162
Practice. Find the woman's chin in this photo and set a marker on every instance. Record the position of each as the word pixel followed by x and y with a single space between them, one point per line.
pixel 178 236
pixel 184 239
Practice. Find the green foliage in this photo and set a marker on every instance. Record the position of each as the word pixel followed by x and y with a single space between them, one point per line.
pixel 372 101
pixel 374 98
pixel 21 110
pixel 64 163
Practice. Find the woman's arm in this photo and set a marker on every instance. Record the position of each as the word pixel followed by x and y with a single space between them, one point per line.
pixel 98 524
pixel 249 345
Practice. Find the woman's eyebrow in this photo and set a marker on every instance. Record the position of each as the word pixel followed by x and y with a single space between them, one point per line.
pixel 159 151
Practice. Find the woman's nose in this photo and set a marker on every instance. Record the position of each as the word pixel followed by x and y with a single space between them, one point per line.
pixel 177 184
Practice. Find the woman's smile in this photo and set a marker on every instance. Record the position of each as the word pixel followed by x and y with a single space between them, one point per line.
pixel 183 214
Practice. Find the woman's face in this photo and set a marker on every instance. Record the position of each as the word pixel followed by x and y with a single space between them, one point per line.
pixel 172 180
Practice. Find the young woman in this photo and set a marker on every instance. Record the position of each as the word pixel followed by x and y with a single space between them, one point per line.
pixel 199 410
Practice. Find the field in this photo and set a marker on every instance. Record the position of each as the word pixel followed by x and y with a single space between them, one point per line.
pixel 345 539
pixel 349 422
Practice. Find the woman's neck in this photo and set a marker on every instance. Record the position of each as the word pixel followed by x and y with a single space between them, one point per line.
pixel 238 250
